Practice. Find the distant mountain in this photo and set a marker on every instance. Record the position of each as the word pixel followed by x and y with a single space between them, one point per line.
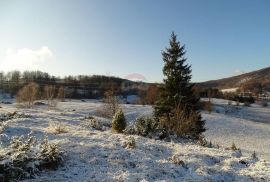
pixel 261 76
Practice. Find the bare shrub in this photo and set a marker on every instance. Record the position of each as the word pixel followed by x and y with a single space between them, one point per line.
pixel 57 128
pixel 28 94
pixel 183 122
pixel 111 105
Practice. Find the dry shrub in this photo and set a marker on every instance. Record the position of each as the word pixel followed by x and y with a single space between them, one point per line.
pixel 57 128
pixel 28 94
pixel 183 122
pixel 130 143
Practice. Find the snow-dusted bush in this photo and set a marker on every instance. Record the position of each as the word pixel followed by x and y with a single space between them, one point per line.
pixel 145 126
pixel 51 156
pixel 26 156
pixel 119 121
pixel 94 123
pixel 13 115
pixel 130 143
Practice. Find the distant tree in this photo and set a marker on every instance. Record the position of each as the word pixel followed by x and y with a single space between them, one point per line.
pixel 252 86
pixel 49 93
pixel 111 105
pixel 61 93
pixel 150 95
pixel 176 94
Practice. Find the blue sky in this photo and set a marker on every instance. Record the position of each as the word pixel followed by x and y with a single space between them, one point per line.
pixel 122 37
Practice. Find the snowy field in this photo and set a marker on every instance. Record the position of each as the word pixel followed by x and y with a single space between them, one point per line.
pixel 247 127
pixel 93 155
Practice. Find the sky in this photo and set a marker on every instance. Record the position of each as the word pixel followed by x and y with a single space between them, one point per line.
pixel 126 37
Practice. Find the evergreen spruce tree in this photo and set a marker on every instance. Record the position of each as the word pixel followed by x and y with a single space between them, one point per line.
pixel 177 93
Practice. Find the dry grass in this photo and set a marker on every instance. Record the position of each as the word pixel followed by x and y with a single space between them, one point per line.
pixel 57 128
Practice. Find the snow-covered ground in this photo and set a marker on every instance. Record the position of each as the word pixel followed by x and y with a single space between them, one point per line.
pixel 247 127
pixel 93 155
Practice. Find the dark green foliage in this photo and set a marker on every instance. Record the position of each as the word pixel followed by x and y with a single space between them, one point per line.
pixel 177 90
pixel 119 121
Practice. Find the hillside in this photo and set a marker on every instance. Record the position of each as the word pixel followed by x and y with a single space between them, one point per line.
pixel 261 76
pixel 100 155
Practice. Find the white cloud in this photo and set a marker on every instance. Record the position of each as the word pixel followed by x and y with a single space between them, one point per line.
pixel 25 59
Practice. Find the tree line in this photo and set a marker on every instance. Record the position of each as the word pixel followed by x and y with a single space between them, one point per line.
pixel 81 86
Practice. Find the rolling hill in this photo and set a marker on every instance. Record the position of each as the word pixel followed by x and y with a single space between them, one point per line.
pixel 261 76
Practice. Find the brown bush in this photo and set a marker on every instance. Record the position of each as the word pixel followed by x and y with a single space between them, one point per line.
pixel 183 122
pixel 28 94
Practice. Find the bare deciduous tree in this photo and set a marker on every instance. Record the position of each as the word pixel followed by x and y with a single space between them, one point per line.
pixel 49 93
pixel 61 93
pixel 28 94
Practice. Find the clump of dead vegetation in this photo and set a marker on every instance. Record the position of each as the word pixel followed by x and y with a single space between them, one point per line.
pixel 57 128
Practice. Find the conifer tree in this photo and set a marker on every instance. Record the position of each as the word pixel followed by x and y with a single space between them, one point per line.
pixel 177 91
